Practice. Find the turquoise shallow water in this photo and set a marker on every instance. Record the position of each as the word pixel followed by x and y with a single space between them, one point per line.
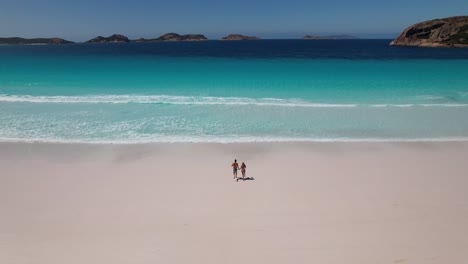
pixel 88 94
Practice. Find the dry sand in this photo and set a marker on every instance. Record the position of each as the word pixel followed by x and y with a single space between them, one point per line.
pixel 326 203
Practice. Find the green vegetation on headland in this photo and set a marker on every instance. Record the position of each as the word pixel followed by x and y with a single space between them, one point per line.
pixel 445 33
pixel 461 37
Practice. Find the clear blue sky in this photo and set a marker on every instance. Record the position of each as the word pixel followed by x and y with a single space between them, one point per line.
pixel 80 20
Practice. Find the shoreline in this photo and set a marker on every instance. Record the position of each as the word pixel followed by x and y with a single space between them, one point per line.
pixel 22 150
pixel 274 144
pixel 240 141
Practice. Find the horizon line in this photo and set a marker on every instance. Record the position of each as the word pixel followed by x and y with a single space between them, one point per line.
pixel 324 37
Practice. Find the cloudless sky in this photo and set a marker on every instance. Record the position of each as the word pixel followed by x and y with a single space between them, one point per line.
pixel 81 20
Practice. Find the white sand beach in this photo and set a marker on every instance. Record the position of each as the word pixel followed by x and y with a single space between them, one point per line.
pixel 327 203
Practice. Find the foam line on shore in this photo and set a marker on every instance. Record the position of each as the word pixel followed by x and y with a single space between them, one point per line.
pixel 225 140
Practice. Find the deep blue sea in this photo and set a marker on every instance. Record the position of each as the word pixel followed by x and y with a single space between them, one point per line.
pixel 233 91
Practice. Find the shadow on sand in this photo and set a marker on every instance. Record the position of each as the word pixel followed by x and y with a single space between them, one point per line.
pixel 245 179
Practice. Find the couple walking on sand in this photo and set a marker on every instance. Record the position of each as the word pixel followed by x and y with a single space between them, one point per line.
pixel 235 167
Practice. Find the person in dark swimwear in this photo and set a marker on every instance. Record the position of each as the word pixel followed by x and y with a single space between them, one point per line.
pixel 243 167
pixel 235 167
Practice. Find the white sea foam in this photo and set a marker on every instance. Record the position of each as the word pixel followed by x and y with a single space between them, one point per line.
pixel 444 105
pixel 195 100
pixel 165 99
pixel 391 105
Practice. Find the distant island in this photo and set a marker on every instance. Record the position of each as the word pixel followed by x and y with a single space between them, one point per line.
pixel 168 37
pixel 315 37
pixel 239 37
pixel 175 37
pixel 34 41
pixel 116 38
pixel 451 32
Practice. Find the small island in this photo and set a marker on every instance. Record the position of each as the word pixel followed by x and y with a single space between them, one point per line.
pixel 116 38
pixel 187 37
pixel 239 37
pixel 34 41
pixel 336 37
pixel 451 32
pixel 175 37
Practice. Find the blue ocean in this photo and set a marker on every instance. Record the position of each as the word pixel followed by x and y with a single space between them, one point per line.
pixel 233 91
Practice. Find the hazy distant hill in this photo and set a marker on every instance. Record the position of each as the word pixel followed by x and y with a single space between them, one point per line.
pixel 329 37
pixel 33 41
pixel 239 37
pixel 116 38
pixel 175 37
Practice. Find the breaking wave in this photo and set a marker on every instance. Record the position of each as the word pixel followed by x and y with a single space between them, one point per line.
pixel 196 100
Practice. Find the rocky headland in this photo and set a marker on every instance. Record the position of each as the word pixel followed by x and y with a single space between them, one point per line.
pixel 34 41
pixel 239 37
pixel 116 38
pixel 451 32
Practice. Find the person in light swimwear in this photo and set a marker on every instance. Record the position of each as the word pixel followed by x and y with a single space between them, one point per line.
pixel 242 168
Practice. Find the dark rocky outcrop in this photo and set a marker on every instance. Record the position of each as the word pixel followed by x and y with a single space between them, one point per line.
pixel 313 37
pixel 140 40
pixel 34 41
pixel 239 37
pixel 170 37
pixel 174 37
pixel 446 32
pixel 116 38
pixel 194 37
